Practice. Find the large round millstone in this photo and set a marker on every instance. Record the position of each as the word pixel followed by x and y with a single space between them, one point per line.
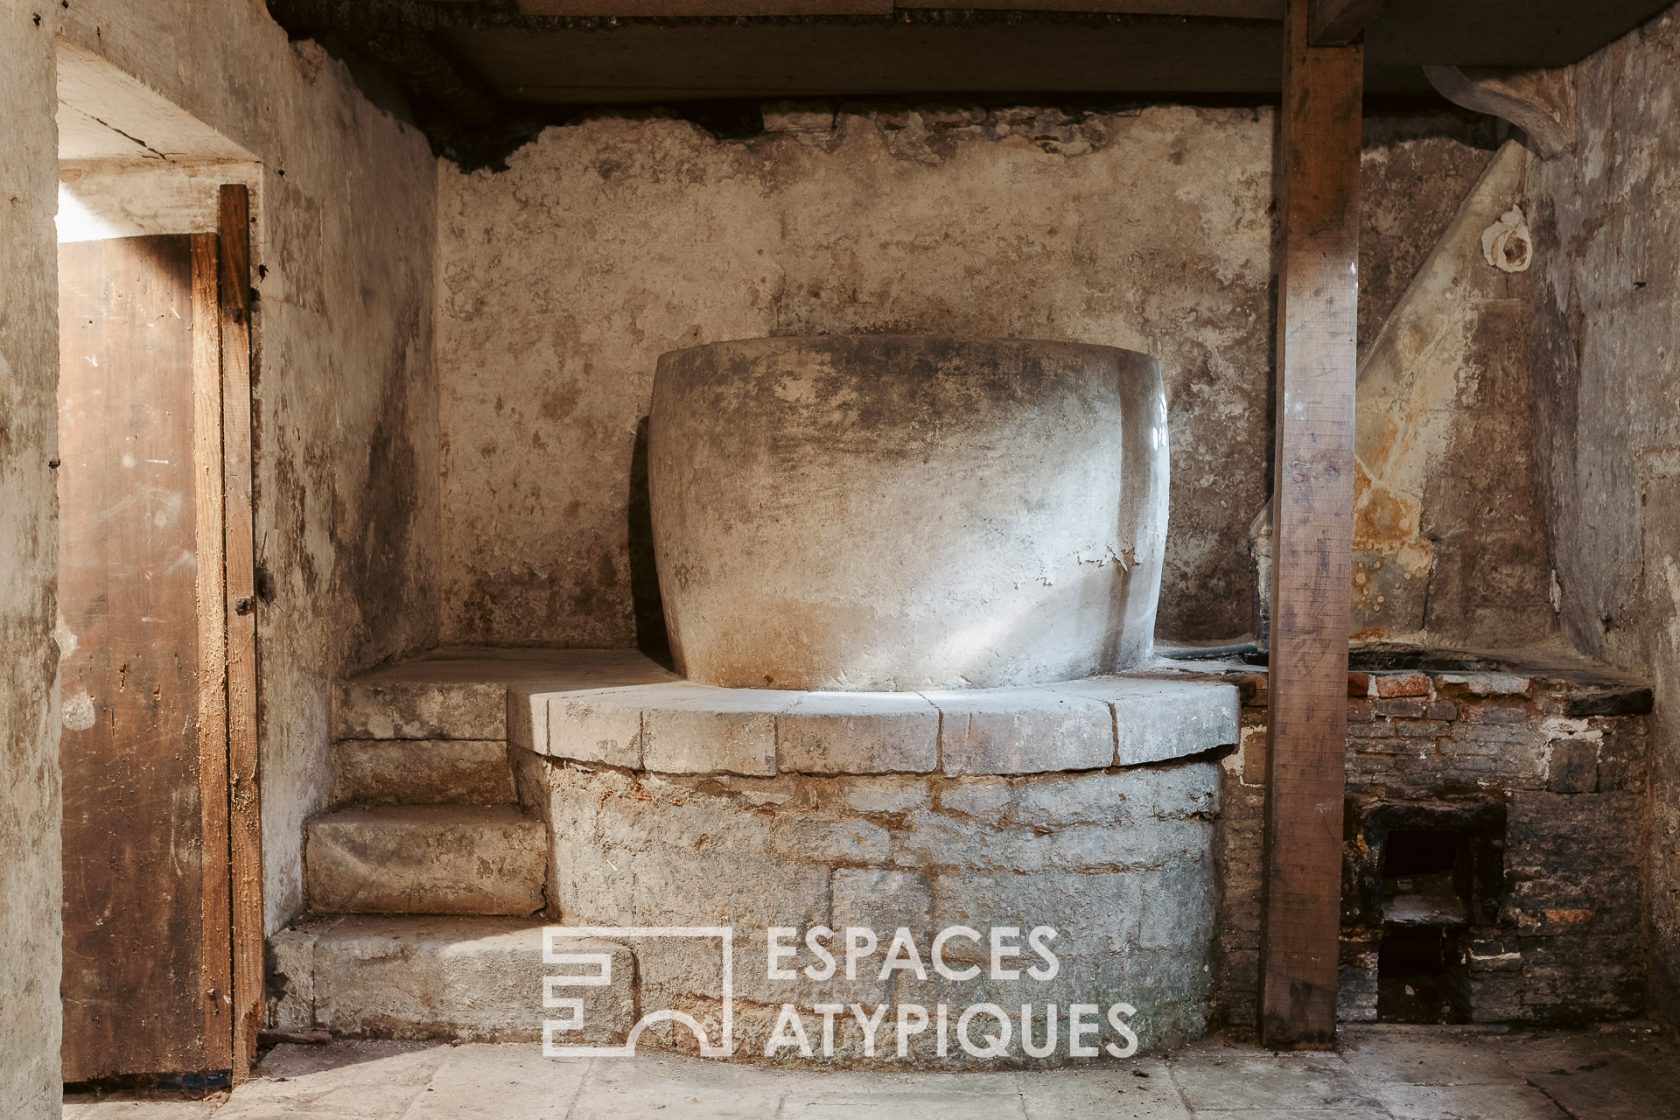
pixel 883 512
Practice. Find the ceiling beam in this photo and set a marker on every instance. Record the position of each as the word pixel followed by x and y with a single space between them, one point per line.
pixel 1336 23
pixel 674 9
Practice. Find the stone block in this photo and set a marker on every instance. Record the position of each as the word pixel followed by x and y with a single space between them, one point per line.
pixel 881 900
pixel 1176 898
pixel 887 795
pixel 858 733
pixel 466 979
pixel 1092 914
pixel 1156 720
pixel 422 771
pixel 984 799
pixel 830 841
pixel 1022 731
pixel 375 708
pixel 594 727
pixel 1573 767
pixel 634 850
pixel 1153 844
pixel 1073 799
pixel 527 718
pixel 1191 790
pixel 289 986
pixel 426 859
pixel 938 840
pixel 695 729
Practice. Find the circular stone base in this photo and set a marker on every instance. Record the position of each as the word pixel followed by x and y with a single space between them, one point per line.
pixel 990 859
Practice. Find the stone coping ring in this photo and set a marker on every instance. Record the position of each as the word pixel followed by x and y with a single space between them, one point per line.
pixel 681 727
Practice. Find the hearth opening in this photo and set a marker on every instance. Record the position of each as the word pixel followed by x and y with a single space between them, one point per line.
pixel 1428 878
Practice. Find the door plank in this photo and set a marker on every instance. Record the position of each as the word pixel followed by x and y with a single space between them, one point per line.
pixel 1313 530
pixel 134 861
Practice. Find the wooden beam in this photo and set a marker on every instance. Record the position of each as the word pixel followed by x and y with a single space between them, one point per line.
pixel 1313 521
pixel 1336 23
pixel 239 607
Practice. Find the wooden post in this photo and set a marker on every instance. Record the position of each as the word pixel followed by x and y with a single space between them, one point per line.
pixel 1312 508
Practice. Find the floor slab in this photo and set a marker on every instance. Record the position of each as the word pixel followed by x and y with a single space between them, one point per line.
pixel 1623 1072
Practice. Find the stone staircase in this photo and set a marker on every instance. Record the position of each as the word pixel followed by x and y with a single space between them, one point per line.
pixel 426 880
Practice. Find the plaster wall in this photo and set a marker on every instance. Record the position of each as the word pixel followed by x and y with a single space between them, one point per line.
pixel 345 426
pixel 1611 431
pixel 606 243
pixel 345 420
pixel 1449 531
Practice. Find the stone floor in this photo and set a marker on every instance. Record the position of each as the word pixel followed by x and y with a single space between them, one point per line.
pixel 1626 1072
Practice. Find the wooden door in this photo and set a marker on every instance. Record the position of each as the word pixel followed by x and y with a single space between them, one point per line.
pixel 147 941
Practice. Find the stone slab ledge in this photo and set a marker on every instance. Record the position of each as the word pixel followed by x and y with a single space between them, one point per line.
pixel 679 727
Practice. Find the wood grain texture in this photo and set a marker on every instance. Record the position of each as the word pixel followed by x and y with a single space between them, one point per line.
pixel 239 610
pixel 1313 518
pixel 671 9
pixel 134 862
pixel 215 971
pixel 1270 10
pixel 1336 23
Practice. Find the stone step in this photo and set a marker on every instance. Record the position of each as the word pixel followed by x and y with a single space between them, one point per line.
pixel 422 772
pixel 463 978
pixel 463 692
pixel 426 859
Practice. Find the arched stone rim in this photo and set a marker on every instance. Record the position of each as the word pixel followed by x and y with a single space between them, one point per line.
pixel 681 727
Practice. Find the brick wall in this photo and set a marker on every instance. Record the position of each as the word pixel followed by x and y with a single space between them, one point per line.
pixel 1559 754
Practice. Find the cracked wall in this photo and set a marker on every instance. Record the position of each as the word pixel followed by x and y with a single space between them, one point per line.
pixel 1610 429
pixel 608 242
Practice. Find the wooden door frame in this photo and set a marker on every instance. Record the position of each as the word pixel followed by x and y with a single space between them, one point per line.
pixel 228 609
pixel 215 932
